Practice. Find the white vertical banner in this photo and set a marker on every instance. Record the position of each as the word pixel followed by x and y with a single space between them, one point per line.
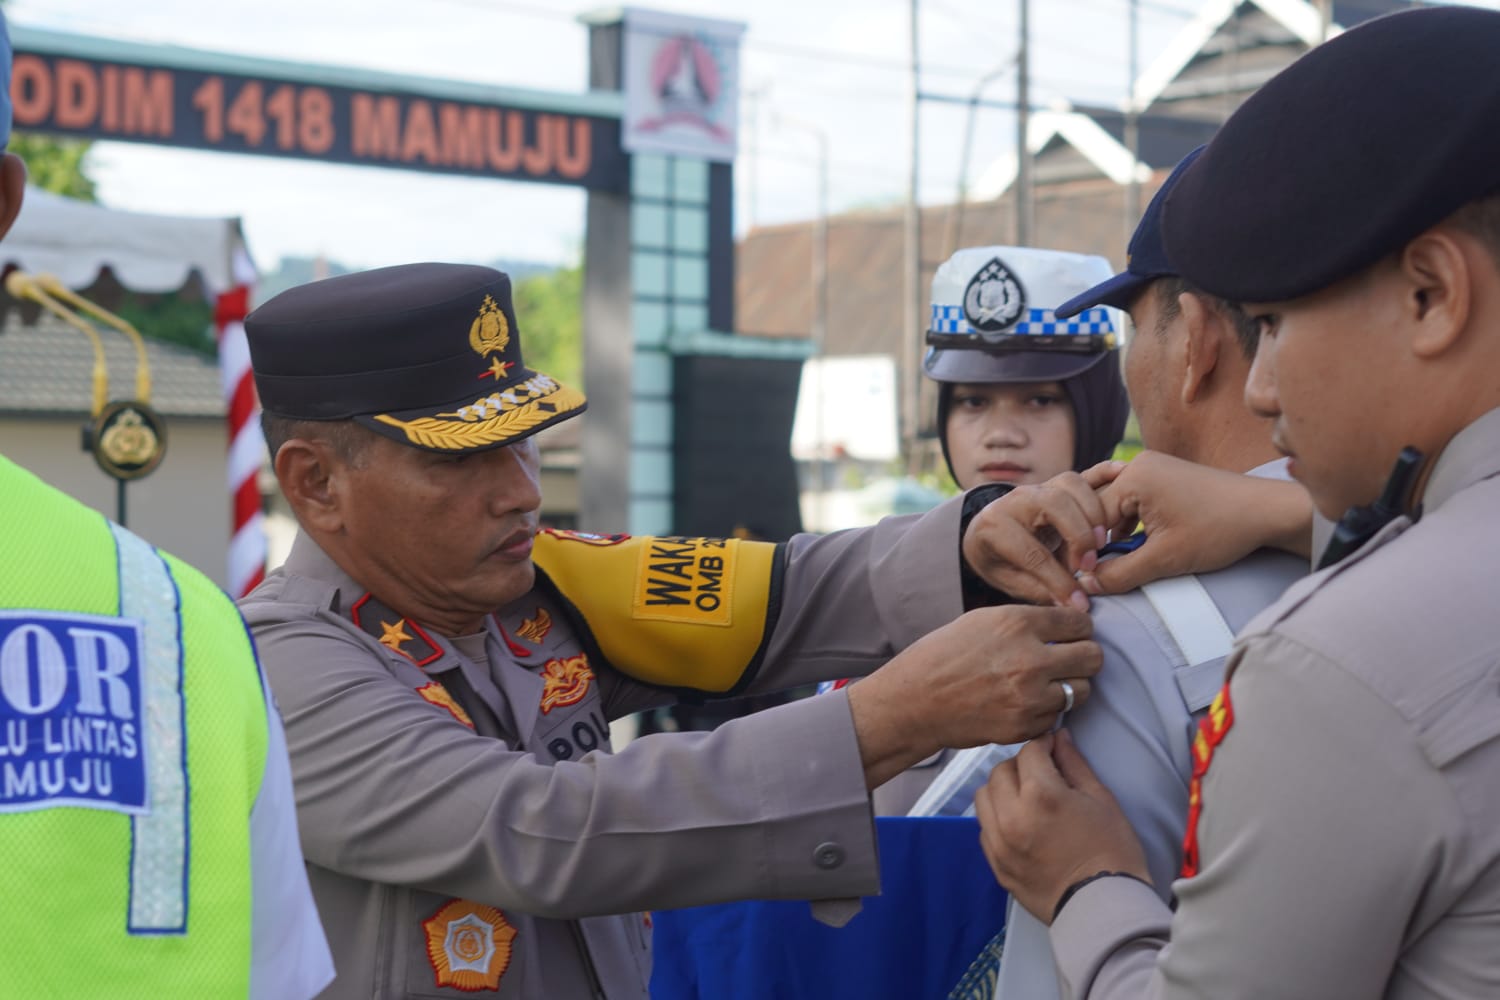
pixel 682 85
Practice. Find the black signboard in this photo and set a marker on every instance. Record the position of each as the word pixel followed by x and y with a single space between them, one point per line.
pixel 243 114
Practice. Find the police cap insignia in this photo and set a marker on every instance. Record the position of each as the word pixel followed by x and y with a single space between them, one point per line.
pixel 395 350
pixel 994 298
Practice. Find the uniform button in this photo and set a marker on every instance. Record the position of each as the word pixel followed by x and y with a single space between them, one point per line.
pixel 828 855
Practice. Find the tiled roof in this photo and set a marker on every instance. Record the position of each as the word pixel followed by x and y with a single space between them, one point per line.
pixel 1163 139
pixel 48 368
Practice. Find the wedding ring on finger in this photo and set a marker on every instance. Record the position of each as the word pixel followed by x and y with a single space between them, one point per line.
pixel 1067 690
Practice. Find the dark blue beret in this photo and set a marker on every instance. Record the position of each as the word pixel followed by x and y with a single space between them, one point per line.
pixel 1343 157
pixel 426 354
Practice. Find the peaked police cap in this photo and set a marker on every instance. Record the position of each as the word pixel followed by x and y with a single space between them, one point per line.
pixel 426 354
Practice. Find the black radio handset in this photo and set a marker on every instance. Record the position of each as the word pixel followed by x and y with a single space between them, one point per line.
pixel 1359 524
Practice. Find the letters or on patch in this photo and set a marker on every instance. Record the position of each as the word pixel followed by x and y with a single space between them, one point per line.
pixel 1211 732
pixel 71 712
pixel 586 537
pixel 439 696
pixel 469 945
pixel 994 298
pixel 566 681
pixel 686 580
pixel 535 628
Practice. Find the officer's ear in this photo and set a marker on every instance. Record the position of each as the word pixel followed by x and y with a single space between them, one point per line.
pixel 1203 332
pixel 307 469
pixel 1436 273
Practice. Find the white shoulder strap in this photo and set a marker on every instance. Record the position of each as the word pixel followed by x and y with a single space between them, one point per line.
pixel 1192 617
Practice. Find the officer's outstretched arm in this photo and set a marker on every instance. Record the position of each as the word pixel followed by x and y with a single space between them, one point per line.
pixel 991 676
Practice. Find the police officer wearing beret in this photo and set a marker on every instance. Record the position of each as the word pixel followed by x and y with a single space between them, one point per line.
pixel 447 674
pixel 1344 831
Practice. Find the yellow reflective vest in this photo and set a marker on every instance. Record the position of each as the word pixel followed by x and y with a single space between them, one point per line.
pixel 133 737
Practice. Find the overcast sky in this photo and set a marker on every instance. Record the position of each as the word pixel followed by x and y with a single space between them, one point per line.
pixel 837 65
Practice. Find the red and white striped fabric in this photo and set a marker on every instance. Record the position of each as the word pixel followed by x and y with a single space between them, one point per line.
pixel 247 546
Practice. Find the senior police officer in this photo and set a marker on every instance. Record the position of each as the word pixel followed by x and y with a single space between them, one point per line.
pixel 146 816
pixel 1347 833
pixel 1164 645
pixel 447 706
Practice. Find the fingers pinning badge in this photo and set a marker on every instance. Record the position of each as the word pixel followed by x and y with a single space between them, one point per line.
pixel 1067 691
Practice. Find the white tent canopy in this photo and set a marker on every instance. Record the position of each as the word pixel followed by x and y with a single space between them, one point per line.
pixel 74 241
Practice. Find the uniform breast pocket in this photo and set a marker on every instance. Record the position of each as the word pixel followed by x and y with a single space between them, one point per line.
pixel 459 948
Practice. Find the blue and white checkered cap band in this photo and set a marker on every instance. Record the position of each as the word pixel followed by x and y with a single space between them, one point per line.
pixel 950 319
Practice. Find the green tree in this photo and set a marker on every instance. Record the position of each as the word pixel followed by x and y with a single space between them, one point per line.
pixel 549 308
pixel 55 165
pixel 183 319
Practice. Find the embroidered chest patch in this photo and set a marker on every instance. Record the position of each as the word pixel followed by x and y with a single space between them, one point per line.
pixel 1211 731
pixel 71 725
pixel 565 682
pixel 440 696
pixel 469 945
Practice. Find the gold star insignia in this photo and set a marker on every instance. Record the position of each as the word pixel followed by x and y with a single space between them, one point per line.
pixel 498 368
pixel 394 634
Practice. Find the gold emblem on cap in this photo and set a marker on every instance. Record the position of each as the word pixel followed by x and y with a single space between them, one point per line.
pixel 490 331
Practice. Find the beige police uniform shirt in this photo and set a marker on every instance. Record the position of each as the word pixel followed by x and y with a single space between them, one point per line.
pixel 1349 831
pixel 467 829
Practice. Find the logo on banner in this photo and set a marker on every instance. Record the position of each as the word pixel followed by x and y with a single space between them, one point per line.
pixel 681 83
pixel 71 727
pixel 686 82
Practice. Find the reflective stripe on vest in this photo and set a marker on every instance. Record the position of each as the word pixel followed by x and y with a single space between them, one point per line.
pixel 159 839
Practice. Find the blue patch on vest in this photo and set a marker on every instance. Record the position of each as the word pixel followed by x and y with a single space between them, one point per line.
pixel 71 712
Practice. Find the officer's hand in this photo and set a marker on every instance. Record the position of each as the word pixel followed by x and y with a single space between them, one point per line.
pixel 1197 519
pixel 990 676
pixel 1046 822
pixel 1032 541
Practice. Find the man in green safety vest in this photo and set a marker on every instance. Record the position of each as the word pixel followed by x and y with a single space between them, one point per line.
pixel 146 814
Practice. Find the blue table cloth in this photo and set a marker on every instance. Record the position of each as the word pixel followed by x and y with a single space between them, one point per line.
pixel 940 907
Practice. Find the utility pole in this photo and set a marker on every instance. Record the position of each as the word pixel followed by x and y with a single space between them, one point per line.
pixel 1325 19
pixel 953 240
pixel 819 322
pixel 1133 126
pixel 753 97
pixel 1023 123
pixel 911 320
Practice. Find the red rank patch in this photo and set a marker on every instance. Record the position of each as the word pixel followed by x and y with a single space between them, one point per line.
pixel 567 681
pixel 1211 731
